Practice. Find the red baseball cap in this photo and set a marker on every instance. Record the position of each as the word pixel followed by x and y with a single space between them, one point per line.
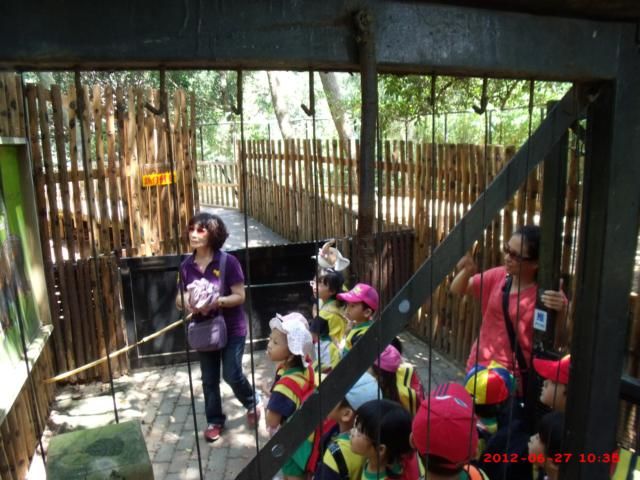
pixel 554 370
pixel 446 425
pixel 361 293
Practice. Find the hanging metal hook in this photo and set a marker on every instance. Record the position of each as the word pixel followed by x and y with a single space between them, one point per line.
pixel 484 99
pixel 237 108
pixel 310 111
pixel 160 110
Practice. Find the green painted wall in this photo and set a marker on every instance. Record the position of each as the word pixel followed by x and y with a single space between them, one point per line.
pixel 16 294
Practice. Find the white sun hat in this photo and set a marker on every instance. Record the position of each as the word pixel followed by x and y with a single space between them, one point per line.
pixel 296 328
pixel 330 257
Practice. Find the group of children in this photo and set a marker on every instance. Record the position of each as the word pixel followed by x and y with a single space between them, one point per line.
pixel 384 427
pixel 366 435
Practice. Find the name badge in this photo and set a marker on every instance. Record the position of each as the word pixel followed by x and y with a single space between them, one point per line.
pixel 540 320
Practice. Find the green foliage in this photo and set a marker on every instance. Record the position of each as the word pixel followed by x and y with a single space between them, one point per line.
pixel 406 107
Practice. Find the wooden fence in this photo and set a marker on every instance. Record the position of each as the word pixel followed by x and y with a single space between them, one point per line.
pixel 307 193
pixel 11 106
pixel 20 428
pixel 124 195
pixel 304 192
pixel 128 181
pixel 218 183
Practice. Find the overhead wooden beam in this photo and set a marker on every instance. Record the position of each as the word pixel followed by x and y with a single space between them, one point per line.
pixel 281 34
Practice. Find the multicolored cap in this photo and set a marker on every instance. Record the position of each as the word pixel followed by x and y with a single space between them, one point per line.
pixel 490 384
pixel 361 293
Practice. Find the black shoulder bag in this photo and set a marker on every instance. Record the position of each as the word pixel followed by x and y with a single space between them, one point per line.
pixel 521 365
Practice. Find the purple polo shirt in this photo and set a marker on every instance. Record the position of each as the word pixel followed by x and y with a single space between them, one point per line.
pixel 234 316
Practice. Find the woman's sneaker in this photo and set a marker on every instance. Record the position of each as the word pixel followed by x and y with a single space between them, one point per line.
pixel 212 433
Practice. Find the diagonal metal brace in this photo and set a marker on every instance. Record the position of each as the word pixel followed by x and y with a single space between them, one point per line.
pixel 420 287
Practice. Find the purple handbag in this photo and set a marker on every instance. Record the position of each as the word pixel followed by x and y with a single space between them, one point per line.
pixel 210 334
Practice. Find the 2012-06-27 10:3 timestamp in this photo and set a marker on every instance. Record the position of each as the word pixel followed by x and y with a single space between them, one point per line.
pixel 555 458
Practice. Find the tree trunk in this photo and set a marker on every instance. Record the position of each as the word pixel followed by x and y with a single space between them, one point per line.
pixel 278 96
pixel 336 103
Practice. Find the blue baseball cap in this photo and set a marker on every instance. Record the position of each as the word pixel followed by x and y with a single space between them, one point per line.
pixel 364 390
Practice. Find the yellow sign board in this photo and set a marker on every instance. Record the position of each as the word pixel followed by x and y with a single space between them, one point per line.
pixel 157 179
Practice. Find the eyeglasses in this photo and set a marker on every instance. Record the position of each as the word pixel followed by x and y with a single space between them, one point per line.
pixel 200 230
pixel 513 254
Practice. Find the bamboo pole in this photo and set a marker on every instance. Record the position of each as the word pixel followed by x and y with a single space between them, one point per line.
pixel 4 108
pixel 123 187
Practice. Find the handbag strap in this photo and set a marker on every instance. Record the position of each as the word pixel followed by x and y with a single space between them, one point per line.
pixel 522 364
pixel 223 270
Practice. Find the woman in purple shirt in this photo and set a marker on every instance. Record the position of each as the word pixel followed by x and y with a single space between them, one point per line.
pixel 207 234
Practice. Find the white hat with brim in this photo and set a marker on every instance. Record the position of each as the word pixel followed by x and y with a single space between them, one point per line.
pixel 296 328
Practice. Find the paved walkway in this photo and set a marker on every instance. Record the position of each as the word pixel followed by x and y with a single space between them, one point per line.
pixel 259 235
pixel 160 399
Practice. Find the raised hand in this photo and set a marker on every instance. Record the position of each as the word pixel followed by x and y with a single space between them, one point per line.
pixel 555 299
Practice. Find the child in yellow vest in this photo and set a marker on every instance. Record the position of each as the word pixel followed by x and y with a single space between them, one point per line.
pixel 381 435
pixel 330 283
pixel 362 303
pixel 338 462
pixel 398 380
pixel 325 351
pixel 289 345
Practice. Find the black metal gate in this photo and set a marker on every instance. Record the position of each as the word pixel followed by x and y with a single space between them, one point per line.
pixel 280 278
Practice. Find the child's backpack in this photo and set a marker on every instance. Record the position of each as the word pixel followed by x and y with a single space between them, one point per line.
pixel 303 390
pixel 626 466
pixel 410 389
pixel 303 385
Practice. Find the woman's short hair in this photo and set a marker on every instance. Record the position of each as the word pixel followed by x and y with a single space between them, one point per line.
pixel 386 423
pixel 531 237
pixel 215 226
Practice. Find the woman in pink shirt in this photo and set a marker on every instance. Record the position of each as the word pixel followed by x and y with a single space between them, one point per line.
pixel 521 264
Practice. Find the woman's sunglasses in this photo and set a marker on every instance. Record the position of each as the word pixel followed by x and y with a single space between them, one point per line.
pixel 200 230
pixel 513 254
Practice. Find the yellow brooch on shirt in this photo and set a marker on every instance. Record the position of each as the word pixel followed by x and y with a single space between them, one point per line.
pixel 216 272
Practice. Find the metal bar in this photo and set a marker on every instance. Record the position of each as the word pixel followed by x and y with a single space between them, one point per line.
pixel 280 34
pixel 418 288
pixel 553 200
pixel 609 236
pixel 630 389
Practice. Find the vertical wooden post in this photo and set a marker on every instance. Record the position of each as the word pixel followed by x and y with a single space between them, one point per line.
pixel 364 252
pixel 610 229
